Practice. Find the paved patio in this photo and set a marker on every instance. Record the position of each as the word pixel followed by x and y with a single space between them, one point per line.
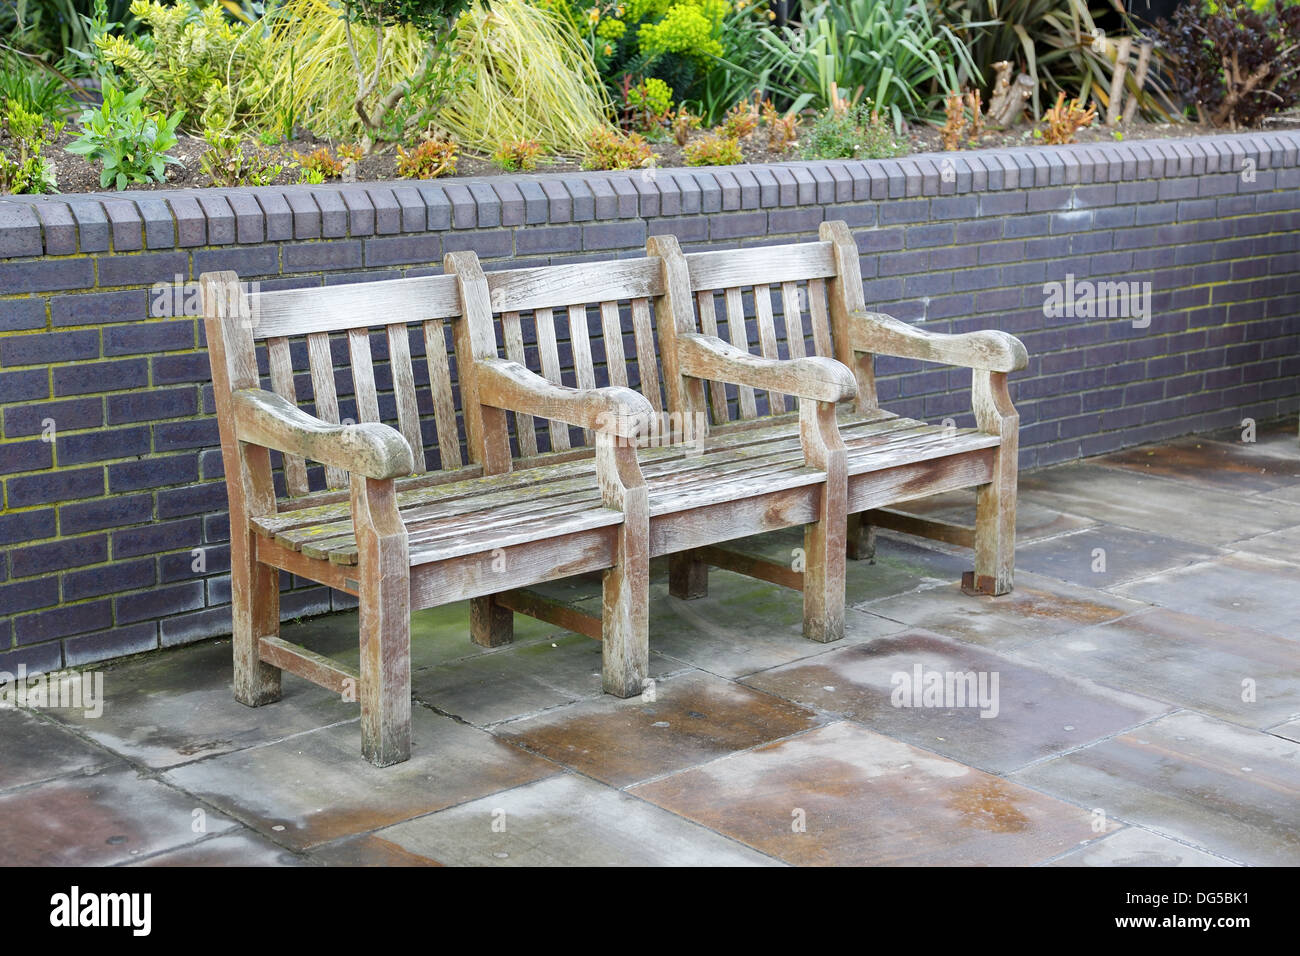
pixel 1148 713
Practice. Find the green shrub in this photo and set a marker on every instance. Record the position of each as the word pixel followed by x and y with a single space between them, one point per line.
pixel 648 104
pixel 713 149
pixel 29 132
pixel 608 148
pixel 33 84
pixel 518 155
pixel 131 143
pixel 852 133
pixel 432 158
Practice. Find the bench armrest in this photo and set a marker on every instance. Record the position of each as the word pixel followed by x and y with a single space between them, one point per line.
pixel 614 410
pixel 371 449
pixel 815 378
pixel 990 350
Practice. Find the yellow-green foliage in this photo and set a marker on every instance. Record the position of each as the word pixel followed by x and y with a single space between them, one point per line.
pixel 310 75
pixel 429 160
pixel 191 60
pixel 532 80
pixel 518 155
pixel 607 148
pixel 29 132
pixel 688 28
pixel 714 149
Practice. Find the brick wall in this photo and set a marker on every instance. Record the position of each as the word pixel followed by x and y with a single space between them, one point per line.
pixel 100 527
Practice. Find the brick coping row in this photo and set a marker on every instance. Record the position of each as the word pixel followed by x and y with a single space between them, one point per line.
pixel 33 226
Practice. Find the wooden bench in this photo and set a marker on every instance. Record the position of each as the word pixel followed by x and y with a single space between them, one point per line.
pixel 889 459
pixel 403 518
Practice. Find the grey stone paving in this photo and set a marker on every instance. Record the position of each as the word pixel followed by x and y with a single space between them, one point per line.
pixel 1148 713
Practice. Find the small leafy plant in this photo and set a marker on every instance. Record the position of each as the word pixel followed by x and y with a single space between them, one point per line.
pixel 30 132
pixel 782 131
pixel 321 162
pixel 956 121
pixel 231 163
pixel 851 132
pixel 1062 121
pixel 432 158
pixel 714 149
pixel 131 143
pixel 649 104
pixel 683 123
pixel 741 121
pixel 608 148
pixel 518 155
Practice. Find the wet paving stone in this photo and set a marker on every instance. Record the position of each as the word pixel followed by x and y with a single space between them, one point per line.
pixel 315 788
pixel 844 795
pixel 516 681
pixel 1289 730
pixel 1249 591
pixel 1106 555
pixel 1032 712
pixel 33 749
pixel 1033 521
pixel 1122 497
pixel 693 718
pixel 1280 545
pixel 98 820
pixel 239 848
pixel 1038 607
pixel 1234 466
pixel 368 850
pixel 1244 676
pixel 177 706
pixel 1212 784
pixel 1136 847
pixel 566 821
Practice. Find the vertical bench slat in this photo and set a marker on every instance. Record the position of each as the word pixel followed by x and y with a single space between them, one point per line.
pixel 646 363
pixel 740 339
pixel 277 351
pixel 444 411
pixel 767 337
pixel 615 362
pixel 817 314
pixel 550 356
pixel 513 334
pixel 709 326
pixel 321 361
pixel 584 369
pixel 793 320
pixel 408 407
pixel 363 375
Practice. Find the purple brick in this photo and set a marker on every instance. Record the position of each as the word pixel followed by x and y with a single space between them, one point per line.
pixel 196 499
pixel 738 225
pixel 219 217
pixel 512 201
pixel 114 512
pixel 92 223
pixel 403 249
pixel 584 202
pixel 710 192
pixel 29 595
pixel 44 348
pixel 159 602
pixel 463 208
pixel 20 230
pixel 144 269
pixel 108 644
pixel 62 621
pixel 769 188
pixel 246 262
pixel 125 225
pixel 488 205
pixel 159 227
pixel 544 240
pixel 22 421
pixel 24 527
pixel 59 555
pixel 277 217
pixel 46 275
pixel 559 202
pixel 327 254
pixel 193 433
pixel 153 404
pixel 361 212
pixel 158 537
pixel 58 226
pixel 145 338
pixel 19 315
pixel 306 214
pixel 152 472
pixel 536 204
pixel 798 220
pixel 101 446
pixel 412 208
pixel 89 377
pixel 488 244
pixel 26 385
pixel 334 213
pixel 191 221
pixel 614 235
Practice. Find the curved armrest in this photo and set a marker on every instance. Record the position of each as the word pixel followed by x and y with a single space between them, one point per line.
pixel 883 334
pixel 371 449
pixel 614 410
pixel 815 378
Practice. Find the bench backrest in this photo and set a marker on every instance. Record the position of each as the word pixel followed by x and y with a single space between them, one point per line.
pixel 368 352
pixel 786 301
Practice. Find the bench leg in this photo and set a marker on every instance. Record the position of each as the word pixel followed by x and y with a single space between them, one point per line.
pixel 625 617
pixel 688 576
pixel 255 593
pixel 385 611
pixel 995 503
pixel 825 540
pixel 861 539
pixel 490 624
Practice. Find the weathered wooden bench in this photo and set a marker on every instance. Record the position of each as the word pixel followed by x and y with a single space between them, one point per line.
pixel 402 519
pixel 889 459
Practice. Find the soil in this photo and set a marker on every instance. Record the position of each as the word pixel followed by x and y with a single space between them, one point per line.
pixel 76 175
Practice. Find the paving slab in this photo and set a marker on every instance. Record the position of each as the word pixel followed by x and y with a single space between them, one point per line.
pixel 1289 730
pixel 1133 846
pixel 1234 466
pixel 1033 521
pixel 692 718
pixel 1244 676
pixel 1123 497
pixel 110 817
pixel 1202 781
pixel 1011 715
pixel 33 749
pixel 1290 494
pixel 315 788
pixel 1280 545
pixel 743 625
pixel 845 795
pixel 516 681
pixel 1106 555
pixel 1039 606
pixel 566 821
pixel 238 848
pixel 1243 589
pixel 368 850
pixel 175 707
